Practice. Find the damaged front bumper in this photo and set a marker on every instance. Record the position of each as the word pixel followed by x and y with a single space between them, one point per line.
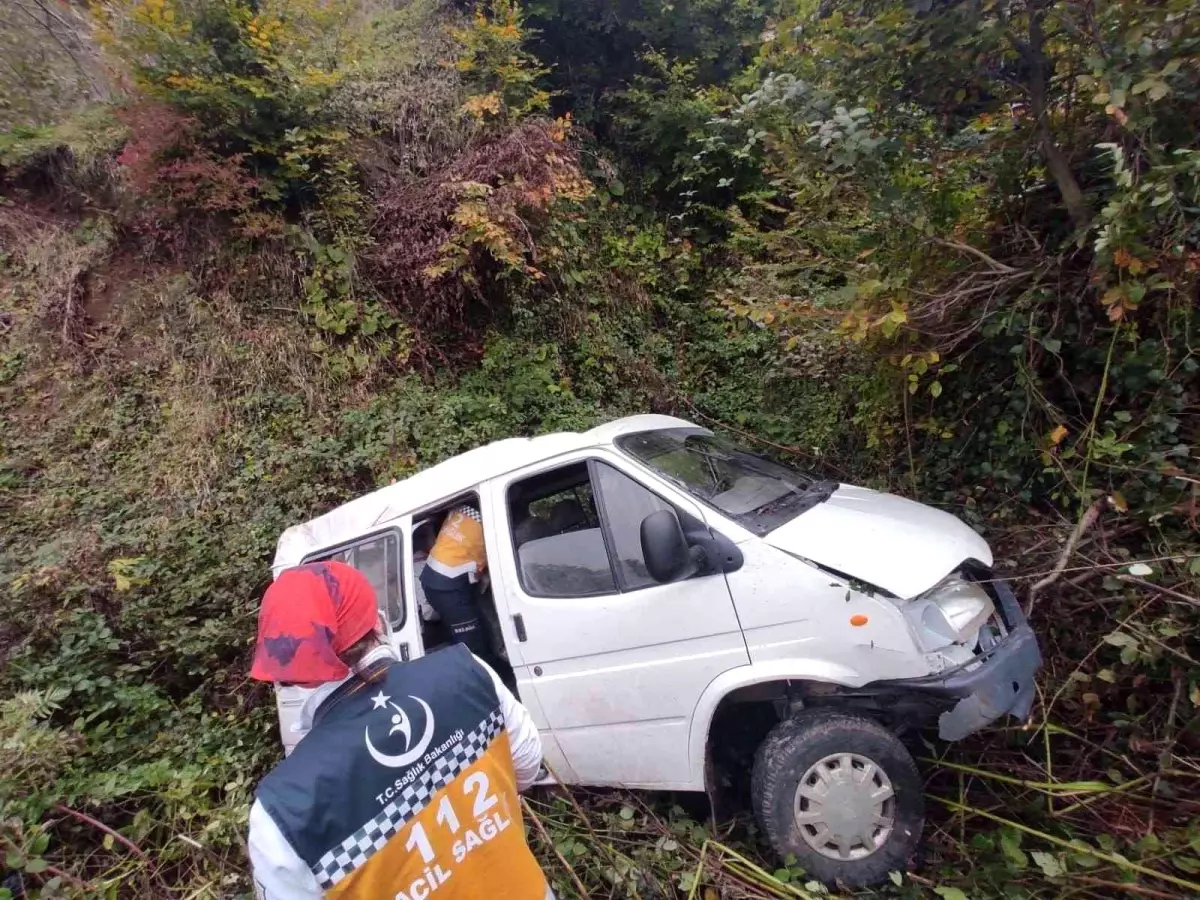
pixel 997 681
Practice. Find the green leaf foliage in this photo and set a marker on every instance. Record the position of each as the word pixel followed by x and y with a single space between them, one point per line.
pixel 948 250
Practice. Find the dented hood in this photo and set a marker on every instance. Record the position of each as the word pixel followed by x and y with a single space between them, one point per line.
pixel 893 543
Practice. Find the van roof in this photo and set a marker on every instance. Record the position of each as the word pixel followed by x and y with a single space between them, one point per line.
pixel 456 475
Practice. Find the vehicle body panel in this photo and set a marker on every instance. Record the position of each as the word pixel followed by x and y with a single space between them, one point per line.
pixel 618 675
pixel 791 610
pixel 456 475
pixel 891 542
pixel 624 685
pixel 997 682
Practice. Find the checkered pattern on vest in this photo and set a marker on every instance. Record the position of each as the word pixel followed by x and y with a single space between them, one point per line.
pixel 459 549
pixel 338 806
pixel 371 837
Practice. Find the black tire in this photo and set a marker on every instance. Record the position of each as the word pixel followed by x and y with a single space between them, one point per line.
pixel 796 745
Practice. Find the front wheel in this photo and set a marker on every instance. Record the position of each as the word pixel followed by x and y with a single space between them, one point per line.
pixel 840 793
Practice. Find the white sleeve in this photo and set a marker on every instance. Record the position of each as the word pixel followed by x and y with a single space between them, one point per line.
pixel 523 737
pixel 279 873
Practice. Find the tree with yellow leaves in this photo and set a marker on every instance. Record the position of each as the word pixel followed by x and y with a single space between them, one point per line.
pixel 503 77
pixel 256 77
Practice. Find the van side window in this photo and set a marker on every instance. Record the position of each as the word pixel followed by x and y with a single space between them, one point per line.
pixel 556 535
pixel 378 558
pixel 578 532
pixel 625 503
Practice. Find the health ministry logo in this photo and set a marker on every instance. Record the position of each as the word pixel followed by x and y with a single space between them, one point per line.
pixel 401 723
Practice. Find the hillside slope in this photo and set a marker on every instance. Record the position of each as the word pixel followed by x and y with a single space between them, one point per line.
pixel 305 249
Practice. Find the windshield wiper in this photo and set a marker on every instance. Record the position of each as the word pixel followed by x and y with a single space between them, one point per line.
pixel 813 495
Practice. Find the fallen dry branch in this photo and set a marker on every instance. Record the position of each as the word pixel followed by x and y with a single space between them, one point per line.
pixel 115 835
pixel 1089 518
pixel 1166 591
pixel 973 251
pixel 541 829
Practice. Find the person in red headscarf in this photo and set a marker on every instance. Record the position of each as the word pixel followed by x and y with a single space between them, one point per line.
pixel 406 781
pixel 311 616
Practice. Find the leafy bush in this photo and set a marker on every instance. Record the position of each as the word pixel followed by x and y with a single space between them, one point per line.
pixel 662 125
pixel 257 77
pixel 950 250
pixel 595 47
pixel 178 179
pixel 447 241
pixel 501 75
pixel 941 220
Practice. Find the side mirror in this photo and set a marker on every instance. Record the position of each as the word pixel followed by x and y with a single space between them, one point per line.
pixel 664 546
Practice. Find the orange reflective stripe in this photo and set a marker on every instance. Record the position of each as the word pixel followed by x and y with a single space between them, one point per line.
pixel 467 842
pixel 459 548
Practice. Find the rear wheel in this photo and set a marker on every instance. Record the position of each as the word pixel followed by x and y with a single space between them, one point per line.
pixel 841 793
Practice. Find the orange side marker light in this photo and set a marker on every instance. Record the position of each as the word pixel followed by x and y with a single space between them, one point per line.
pixel 858 620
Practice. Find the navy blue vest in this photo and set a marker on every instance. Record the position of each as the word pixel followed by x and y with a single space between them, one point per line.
pixel 382 745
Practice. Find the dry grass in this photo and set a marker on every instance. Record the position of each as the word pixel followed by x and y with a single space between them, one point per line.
pixel 48 262
pixel 51 61
pixel 74 303
pixel 211 354
pixel 407 96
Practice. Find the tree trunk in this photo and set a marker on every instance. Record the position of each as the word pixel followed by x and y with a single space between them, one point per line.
pixel 1068 185
pixel 1056 160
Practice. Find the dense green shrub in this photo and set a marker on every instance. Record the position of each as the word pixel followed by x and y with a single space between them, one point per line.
pixel 597 46
pixel 946 249
pixel 662 126
pixel 256 78
pixel 987 234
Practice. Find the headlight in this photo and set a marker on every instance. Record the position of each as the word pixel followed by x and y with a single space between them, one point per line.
pixel 950 613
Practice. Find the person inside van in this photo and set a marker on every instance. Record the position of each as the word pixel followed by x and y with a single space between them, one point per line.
pixel 455 564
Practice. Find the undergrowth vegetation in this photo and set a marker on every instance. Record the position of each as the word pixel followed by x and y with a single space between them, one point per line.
pixel 303 249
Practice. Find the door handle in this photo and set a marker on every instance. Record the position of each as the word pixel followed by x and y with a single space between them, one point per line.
pixel 404 654
pixel 519 624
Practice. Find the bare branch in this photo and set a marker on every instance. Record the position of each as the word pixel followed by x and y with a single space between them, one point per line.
pixel 1086 521
pixel 1032 53
pixel 48 12
pixel 966 248
pixel 1176 595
